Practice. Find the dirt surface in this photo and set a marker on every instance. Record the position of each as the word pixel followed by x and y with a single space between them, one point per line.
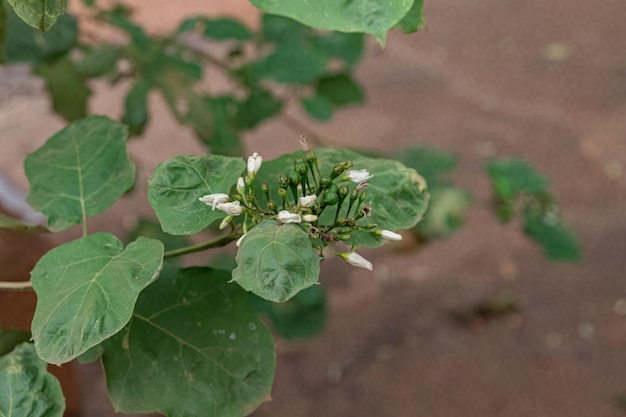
pixel 545 81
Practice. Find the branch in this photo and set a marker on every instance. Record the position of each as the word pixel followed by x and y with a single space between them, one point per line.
pixel 16 286
pixel 216 243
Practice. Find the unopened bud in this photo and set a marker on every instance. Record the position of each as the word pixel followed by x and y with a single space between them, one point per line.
pixel 227 220
pixel 294 178
pixel 271 205
pixel 283 181
pixel 343 192
pixel 309 218
pixel 301 167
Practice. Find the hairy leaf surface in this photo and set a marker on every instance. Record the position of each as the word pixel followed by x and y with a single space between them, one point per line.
pixel 192 348
pixel 276 261
pixel 178 183
pixel 28 390
pixel 80 171
pixel 87 290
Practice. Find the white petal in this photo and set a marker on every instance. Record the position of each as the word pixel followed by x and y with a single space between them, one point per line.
pixel 357 260
pixel 389 235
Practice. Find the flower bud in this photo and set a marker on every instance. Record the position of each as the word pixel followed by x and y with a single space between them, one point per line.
pixel 308 200
pixel 227 220
pixel 241 185
pixel 389 235
pixel 343 192
pixel 301 167
pixel 294 179
pixel 286 217
pixel 326 182
pixel 233 208
pixel 239 240
pixel 357 260
pixel 271 206
pixel 309 218
pixel 359 175
pixel 331 198
pixel 214 199
pixel 283 181
pixel 254 163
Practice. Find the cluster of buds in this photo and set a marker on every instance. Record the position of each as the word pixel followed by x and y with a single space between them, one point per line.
pixel 328 206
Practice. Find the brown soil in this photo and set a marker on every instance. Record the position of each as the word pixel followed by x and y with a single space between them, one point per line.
pixel 545 81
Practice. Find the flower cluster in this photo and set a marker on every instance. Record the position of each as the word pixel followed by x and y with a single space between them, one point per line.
pixel 324 205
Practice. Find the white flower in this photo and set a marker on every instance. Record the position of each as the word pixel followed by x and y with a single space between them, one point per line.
pixel 309 218
pixel 233 208
pixel 286 217
pixel 308 200
pixel 357 260
pixel 238 243
pixel 358 175
pixel 254 163
pixel 214 199
pixel 389 235
pixel 241 185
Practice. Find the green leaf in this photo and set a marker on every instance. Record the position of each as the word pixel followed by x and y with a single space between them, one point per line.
pixel 178 183
pixel 10 338
pixel 136 106
pixel 414 19
pixel 446 212
pixel 259 106
pixel 510 177
pixel 370 16
pixel 193 348
pixel 224 29
pixel 558 240
pixel 80 171
pixel 301 317
pixel 9 223
pixel 224 139
pixel 28 390
pixel 97 61
pixel 340 89
pixel 276 261
pixel 23 44
pixel 66 87
pixel 281 29
pixel 431 163
pixel 291 64
pixel 40 14
pixel 318 107
pixel 348 47
pixel 86 292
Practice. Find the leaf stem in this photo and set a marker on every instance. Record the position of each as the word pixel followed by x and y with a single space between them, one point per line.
pixel 16 286
pixel 215 243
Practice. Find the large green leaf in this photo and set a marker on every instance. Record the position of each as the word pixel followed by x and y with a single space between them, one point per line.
pixel 10 338
pixel 86 292
pixel 276 261
pixel 23 44
pixel 192 348
pixel 40 14
pixel 178 183
pixel 80 171
pixel 27 389
pixel 370 16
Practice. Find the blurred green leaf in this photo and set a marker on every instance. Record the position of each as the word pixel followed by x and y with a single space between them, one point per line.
pixel 67 88
pixel 40 14
pixel 225 29
pixel 23 44
pixel 431 163
pixel 291 64
pixel 346 46
pixel 318 107
pixel 414 19
pixel 340 89
pixel 224 138
pixel 558 240
pixel 281 29
pixel 509 177
pixel 9 338
pixel 259 106
pixel 301 317
pixel 97 61
pixel 136 106
pixel 446 212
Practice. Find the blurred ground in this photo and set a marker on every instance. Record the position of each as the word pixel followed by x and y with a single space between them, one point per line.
pixel 545 81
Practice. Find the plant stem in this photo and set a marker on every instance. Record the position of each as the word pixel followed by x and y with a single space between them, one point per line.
pixel 215 243
pixel 295 125
pixel 16 286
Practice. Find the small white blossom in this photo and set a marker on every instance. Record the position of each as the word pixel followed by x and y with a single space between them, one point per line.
pixel 286 217
pixel 254 163
pixel 389 235
pixel 308 200
pixel 233 208
pixel 238 243
pixel 241 185
pixel 214 199
pixel 359 175
pixel 309 218
pixel 357 260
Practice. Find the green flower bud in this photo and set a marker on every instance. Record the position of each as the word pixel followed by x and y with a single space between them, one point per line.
pixel 294 178
pixel 301 167
pixel 283 181
pixel 343 192
pixel 326 182
pixel 331 198
pixel 271 205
